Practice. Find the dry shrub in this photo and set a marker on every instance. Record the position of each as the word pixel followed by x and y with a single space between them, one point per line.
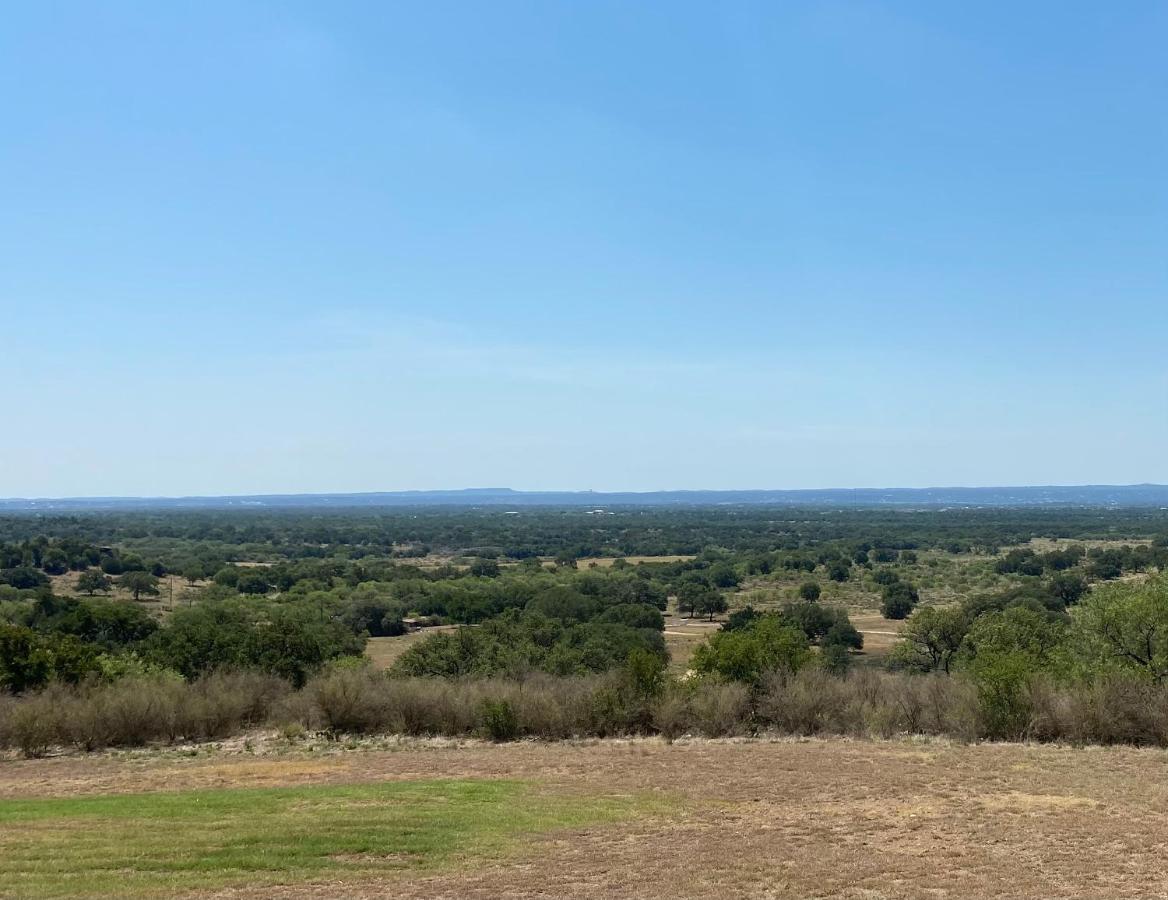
pixel 809 702
pixel 33 722
pixel 1114 710
pixel 868 703
pixel 136 711
pixel 671 713
pixel 432 706
pixel 1129 711
pixel 616 708
pixel 362 701
pixel 139 710
pixel 720 710
pixel 928 704
pixel 350 700
pixel 297 708
pixel 950 706
pixel 554 708
pixel 225 703
pixel 8 705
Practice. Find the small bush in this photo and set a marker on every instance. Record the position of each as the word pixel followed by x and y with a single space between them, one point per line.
pixel 499 721
pixel 720 710
pixel 997 703
pixel 349 700
pixel 810 702
pixel 32 725
pixel 671 714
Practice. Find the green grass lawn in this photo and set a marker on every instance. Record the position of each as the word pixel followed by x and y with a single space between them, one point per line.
pixel 163 843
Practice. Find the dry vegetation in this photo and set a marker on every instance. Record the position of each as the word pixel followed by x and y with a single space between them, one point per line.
pixel 385 651
pixel 606 562
pixel 811 818
pixel 941 577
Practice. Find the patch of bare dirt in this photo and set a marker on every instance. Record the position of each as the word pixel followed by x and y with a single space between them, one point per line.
pixel 830 818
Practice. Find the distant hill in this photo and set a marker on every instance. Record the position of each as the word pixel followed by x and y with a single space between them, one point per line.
pixel 1154 495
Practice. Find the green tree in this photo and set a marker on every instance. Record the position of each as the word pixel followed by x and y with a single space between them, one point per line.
pixel 747 654
pixel 1124 626
pixel 741 618
pixel 899 600
pixel 696 597
pixel 932 637
pixel 1068 588
pixel 809 591
pixel 93 581
pixel 839 570
pixel 722 575
pixel 139 583
pixel 23 578
pixel 1002 652
pixel 484 568
pixel 228 576
pixel 835 658
pixel 646 671
pixel 55 562
pixel 194 571
pixel 253 581
pixel 710 603
pixel 635 615
pixel 29 660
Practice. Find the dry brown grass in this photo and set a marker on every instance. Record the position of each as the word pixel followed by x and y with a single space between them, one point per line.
pixel 880 634
pixel 606 562
pixel 813 818
pixel 385 651
pixel 1045 545
pixel 683 636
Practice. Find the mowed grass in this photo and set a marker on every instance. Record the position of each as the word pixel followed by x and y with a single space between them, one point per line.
pixel 158 844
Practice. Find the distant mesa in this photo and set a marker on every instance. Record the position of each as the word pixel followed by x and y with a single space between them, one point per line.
pixel 596 502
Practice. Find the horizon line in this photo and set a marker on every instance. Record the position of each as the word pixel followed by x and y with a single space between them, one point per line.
pixel 573 491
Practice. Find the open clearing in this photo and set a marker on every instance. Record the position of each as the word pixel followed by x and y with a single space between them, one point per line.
pixel 606 562
pixel 714 819
pixel 385 651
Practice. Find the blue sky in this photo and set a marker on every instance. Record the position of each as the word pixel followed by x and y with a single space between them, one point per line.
pixel 262 247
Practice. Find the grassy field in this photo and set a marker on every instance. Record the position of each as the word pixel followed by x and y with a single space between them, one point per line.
pixel 159 844
pixel 598 819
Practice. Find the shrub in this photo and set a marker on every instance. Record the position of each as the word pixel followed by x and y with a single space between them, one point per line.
pixel 899 599
pixel 29 660
pixel 499 721
pixel 720 710
pixel 810 702
pixel 350 700
pixel 634 615
pixel 671 716
pixel 747 654
pixel 740 619
pixel 31 726
pixel 834 658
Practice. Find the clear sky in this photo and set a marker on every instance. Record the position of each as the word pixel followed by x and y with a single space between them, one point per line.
pixel 301 246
